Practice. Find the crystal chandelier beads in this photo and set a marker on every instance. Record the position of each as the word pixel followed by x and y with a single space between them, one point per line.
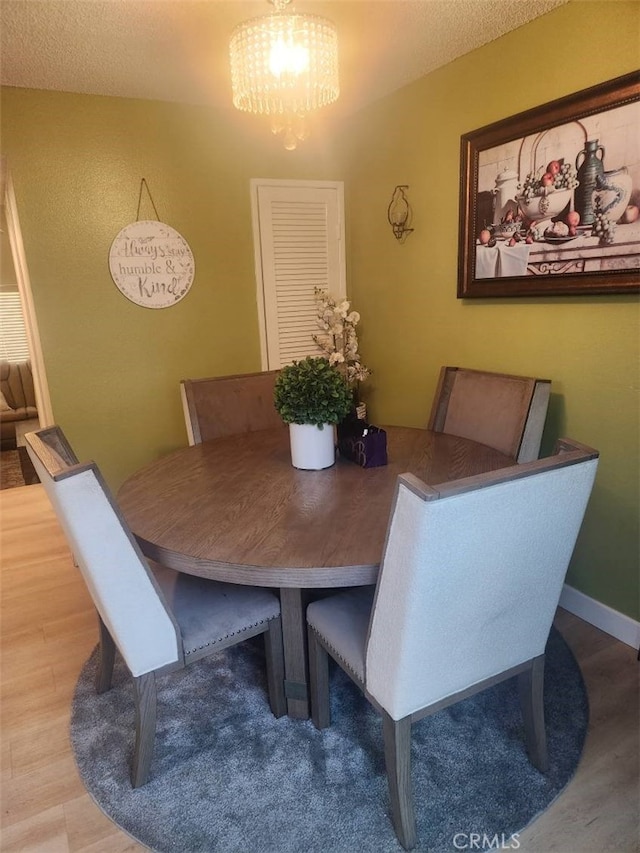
pixel 285 66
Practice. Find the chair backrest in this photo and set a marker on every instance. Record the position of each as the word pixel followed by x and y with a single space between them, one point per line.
pixel 471 576
pixel 502 411
pixel 115 571
pixel 229 405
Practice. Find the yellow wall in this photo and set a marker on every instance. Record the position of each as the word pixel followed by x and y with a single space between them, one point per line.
pixel 77 162
pixel 114 367
pixel 413 322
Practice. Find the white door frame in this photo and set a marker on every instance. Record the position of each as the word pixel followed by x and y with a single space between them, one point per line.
pixel 41 388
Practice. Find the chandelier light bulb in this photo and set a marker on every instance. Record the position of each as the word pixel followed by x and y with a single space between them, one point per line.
pixel 288 58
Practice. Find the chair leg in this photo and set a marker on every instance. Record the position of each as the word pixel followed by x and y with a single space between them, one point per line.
pixel 397 756
pixel 319 682
pixel 144 687
pixel 274 654
pixel 107 653
pixel 531 690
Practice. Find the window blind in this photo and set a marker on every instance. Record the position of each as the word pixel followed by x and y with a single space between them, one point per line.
pixel 13 336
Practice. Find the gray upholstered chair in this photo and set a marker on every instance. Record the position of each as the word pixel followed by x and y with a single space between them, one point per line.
pixel 468 586
pixel 161 621
pixel 504 412
pixel 228 405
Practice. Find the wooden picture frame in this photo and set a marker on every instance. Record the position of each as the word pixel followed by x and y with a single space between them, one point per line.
pixel 524 179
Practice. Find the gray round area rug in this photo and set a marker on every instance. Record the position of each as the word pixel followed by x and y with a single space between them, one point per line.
pixel 227 777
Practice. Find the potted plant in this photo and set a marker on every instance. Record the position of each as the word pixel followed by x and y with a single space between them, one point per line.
pixel 311 396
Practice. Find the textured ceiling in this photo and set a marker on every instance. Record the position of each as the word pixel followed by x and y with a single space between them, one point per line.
pixel 177 50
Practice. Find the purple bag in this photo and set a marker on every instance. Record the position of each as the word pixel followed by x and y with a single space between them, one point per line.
pixel 363 444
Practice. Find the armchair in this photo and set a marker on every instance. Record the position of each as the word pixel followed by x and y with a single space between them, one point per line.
pixel 158 622
pixel 228 405
pixel 468 586
pixel 502 411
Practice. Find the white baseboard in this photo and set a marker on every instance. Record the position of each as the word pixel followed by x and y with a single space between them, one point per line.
pixel 611 621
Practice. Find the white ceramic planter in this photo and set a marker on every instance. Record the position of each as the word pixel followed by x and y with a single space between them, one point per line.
pixel 311 448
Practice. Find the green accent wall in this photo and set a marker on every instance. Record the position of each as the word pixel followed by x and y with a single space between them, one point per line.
pixel 412 321
pixel 114 367
pixel 77 161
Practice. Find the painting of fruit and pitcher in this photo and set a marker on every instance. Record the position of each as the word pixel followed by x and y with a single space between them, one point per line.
pixel 550 198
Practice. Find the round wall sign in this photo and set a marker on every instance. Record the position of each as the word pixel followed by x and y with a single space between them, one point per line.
pixel 152 264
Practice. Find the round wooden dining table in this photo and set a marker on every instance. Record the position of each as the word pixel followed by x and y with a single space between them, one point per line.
pixel 234 509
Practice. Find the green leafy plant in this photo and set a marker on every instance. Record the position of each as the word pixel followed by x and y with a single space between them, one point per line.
pixel 312 391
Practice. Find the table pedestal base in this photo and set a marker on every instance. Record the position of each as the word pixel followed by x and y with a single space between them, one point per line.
pixel 294 633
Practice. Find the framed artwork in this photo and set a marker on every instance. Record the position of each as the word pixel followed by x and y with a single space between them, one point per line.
pixel 550 198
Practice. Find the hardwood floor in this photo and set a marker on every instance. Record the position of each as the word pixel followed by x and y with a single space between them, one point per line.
pixel 48 630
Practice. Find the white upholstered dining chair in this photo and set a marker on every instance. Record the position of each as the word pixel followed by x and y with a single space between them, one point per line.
pixel 159 621
pixel 228 405
pixel 496 409
pixel 468 586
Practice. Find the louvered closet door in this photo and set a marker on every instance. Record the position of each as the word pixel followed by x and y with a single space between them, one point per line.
pixel 300 242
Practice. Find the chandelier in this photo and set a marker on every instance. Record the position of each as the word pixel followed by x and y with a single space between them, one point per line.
pixel 285 66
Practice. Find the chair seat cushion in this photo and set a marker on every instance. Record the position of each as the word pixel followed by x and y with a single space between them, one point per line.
pixel 342 621
pixel 209 612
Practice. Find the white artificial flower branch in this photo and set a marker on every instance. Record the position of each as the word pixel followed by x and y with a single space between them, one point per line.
pixel 338 338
